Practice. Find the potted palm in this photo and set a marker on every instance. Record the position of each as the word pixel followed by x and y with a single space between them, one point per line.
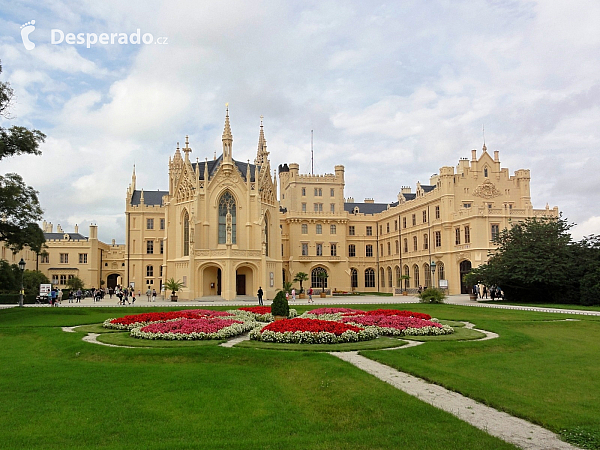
pixel 173 286
pixel 405 278
pixel 323 277
pixel 299 278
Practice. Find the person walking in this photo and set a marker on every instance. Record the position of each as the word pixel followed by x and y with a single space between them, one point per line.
pixel 60 296
pixel 485 292
pixel 133 297
pixel 310 300
pixel 293 294
pixel 149 293
pixel 153 295
pixel 260 296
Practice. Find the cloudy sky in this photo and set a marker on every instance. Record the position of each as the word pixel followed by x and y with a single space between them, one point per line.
pixel 393 91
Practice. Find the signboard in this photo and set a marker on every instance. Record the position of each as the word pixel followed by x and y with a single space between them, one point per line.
pixel 444 284
pixel 45 289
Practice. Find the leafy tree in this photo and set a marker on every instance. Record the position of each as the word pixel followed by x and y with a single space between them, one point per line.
pixel 32 280
pixel 8 282
pixel 280 306
pixel 299 278
pixel 19 205
pixel 75 283
pixel 287 287
pixel 535 260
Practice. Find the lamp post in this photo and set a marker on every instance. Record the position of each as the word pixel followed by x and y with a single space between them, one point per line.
pixel 433 265
pixel 22 268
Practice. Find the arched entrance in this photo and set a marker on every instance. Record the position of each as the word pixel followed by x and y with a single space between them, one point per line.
pixel 244 281
pixel 465 267
pixel 211 281
pixel 112 280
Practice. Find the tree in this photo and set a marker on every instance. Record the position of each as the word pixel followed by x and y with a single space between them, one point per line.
pixel 535 260
pixel 19 205
pixel 75 283
pixel 172 285
pixel 287 287
pixel 299 278
pixel 32 280
pixel 322 275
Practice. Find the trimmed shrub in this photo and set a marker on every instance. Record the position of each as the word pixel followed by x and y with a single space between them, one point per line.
pixel 280 306
pixel 431 295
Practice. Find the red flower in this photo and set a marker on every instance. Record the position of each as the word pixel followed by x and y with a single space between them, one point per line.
pixel 310 325
pixel 257 309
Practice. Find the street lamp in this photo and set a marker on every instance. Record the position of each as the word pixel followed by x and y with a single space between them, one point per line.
pixel 433 265
pixel 22 268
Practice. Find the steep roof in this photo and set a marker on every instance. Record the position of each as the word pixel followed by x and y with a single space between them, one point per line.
pixel 213 166
pixel 152 198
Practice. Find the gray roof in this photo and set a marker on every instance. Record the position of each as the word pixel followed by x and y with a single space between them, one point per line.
pixel 214 164
pixel 427 188
pixel 60 236
pixel 366 208
pixel 153 198
pixel 410 196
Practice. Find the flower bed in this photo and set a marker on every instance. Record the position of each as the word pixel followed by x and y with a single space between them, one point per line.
pixel 259 313
pixel 393 325
pixel 311 331
pixel 193 329
pixel 330 313
pixel 137 320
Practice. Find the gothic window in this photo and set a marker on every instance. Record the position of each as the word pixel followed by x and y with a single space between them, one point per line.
pixel 407 273
pixel 438 238
pixel 389 271
pixel 416 275
pixel 485 172
pixel 398 280
pixel 370 278
pixel 227 218
pixel 467 235
pixel 354 278
pixel 186 234
pixel 425 242
pixel 316 280
pixel 427 273
pixel 441 272
pixel 266 235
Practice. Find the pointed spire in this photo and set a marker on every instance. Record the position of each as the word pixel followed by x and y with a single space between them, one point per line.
pixel 262 153
pixel 142 198
pixel 133 178
pixel 227 137
pixel 187 149
pixel 205 171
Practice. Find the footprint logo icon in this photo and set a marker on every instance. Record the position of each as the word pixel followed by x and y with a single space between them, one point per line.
pixel 26 30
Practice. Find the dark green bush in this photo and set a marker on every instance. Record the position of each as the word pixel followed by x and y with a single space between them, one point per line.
pixel 280 306
pixel 431 295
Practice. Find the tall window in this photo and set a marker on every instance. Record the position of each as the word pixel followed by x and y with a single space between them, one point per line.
pixel 333 249
pixel 304 249
pixel 354 277
pixel 162 247
pixel 227 211
pixel 437 212
pixel 149 271
pixel 427 274
pixel 351 250
pixel 485 172
pixel 45 259
pixel 318 192
pixel 381 249
pixel 351 230
pixel 303 192
pixel 332 207
pixel 64 258
pixel 149 224
pixel 467 235
pixel 397 246
pixel 389 246
pixel 83 258
pixel 416 275
pixel 369 231
pixel 304 228
pixel 316 280
pixel 318 207
pixel 395 225
pixel 370 278
pixel 332 192
pixel 162 224
pixel 414 220
pixel 404 222
pixel 382 278
pixel 303 207
pixel 186 234
pixel 149 247
pixel 389 272
pixel 441 271
pixel 266 235
pixel 63 279
pixel 415 243
pixel 388 227
pixel 319 249
pixel 457 236
pixel 332 229
pixel 407 273
pixel 405 245
pixel 398 280
pixel 425 242
pixel 425 216
pixel 319 229
pixel 369 251
pixel 438 238
pixel 495 230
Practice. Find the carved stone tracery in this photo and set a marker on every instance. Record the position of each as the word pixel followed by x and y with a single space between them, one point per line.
pixel 486 190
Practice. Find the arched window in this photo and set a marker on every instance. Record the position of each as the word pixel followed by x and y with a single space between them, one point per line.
pixel 354 277
pixel 227 212
pixel 416 275
pixel 389 271
pixel 398 276
pixel 369 278
pixel 407 273
pixel 317 280
pixel 485 172
pixel 427 274
pixel 382 277
pixel 266 235
pixel 425 242
pixel 441 272
pixel 186 234
pixel 389 246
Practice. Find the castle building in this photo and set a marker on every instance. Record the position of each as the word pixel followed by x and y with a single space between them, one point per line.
pixel 222 231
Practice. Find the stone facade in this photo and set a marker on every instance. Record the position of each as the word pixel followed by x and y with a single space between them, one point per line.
pixel 221 230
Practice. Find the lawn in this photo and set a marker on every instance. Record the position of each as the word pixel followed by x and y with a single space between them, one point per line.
pixel 60 392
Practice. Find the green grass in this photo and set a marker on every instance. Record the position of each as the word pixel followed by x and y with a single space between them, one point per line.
pixel 543 305
pixel 59 392
pixel 541 368
pixel 123 338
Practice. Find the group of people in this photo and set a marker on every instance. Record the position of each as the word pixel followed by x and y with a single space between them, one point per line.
pixel 260 294
pixel 494 291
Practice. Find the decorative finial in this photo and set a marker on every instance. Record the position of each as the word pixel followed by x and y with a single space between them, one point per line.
pixel 261 118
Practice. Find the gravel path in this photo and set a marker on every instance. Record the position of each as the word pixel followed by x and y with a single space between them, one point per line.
pixel 511 429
